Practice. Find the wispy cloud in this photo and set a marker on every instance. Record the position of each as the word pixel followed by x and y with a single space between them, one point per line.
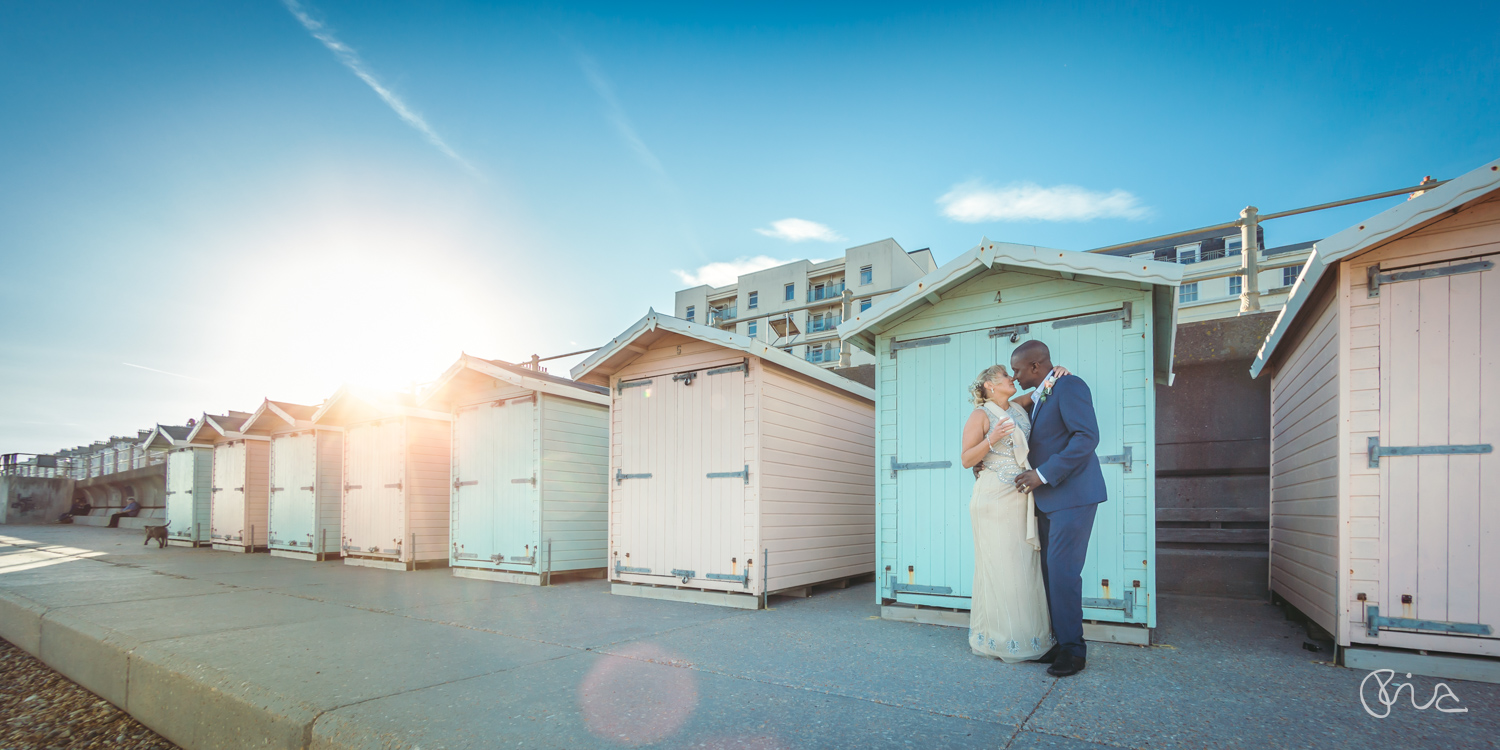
pixel 352 61
pixel 800 230
pixel 974 202
pixel 726 272
pixel 164 372
pixel 616 114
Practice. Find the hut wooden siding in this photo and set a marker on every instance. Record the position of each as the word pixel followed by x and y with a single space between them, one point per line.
pixel 428 443
pixel 330 489
pixel 1305 468
pixel 575 482
pixel 818 483
pixel 691 402
pixel 1407 538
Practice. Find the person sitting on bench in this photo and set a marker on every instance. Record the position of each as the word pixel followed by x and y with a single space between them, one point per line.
pixel 131 511
pixel 80 507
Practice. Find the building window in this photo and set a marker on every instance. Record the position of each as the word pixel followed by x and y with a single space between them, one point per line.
pixel 866 275
pixel 1188 292
pixel 751 328
pixel 691 311
pixel 1289 275
pixel 754 300
pixel 1236 285
pixel 791 292
pixel 1233 245
pixel 864 304
pixel 1187 254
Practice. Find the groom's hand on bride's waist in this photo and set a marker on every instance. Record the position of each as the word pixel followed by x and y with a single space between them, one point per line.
pixel 1029 480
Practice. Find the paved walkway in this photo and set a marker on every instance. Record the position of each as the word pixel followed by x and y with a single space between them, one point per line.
pixel 215 649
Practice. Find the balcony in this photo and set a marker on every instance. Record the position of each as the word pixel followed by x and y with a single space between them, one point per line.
pixel 822 355
pixel 827 291
pixel 722 315
pixel 826 323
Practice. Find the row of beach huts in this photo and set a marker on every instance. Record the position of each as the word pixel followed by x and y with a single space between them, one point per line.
pixel 683 461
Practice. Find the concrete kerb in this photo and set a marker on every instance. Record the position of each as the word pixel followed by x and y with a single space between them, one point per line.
pixel 92 656
pixel 21 622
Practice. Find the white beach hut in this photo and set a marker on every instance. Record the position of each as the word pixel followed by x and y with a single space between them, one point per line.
pixel 394 513
pixel 724 450
pixel 1385 413
pixel 189 481
pixel 307 477
pixel 239 514
pixel 529 472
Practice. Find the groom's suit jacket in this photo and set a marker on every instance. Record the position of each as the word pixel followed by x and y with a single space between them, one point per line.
pixel 1064 436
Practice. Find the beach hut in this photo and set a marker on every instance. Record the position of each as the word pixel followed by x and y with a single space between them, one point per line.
pixel 1385 413
pixel 724 450
pixel 189 481
pixel 1109 320
pixel 307 477
pixel 394 513
pixel 529 472
pixel 239 511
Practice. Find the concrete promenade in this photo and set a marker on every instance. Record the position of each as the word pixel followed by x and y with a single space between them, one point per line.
pixel 215 649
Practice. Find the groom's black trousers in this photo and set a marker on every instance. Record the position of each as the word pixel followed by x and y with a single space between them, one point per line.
pixel 1065 545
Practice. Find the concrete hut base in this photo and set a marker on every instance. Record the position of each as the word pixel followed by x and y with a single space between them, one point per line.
pixel 386 563
pixel 1100 632
pixel 523 578
pixel 295 554
pixel 220 547
pixel 1428 664
pixel 184 543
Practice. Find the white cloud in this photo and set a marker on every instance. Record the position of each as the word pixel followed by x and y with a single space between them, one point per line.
pixel 727 272
pixel 974 202
pixel 800 230
pixel 352 61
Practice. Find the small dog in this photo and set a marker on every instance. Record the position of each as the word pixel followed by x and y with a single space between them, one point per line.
pixel 159 533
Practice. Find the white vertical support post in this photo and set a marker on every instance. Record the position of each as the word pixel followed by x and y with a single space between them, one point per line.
pixel 846 311
pixel 1250 261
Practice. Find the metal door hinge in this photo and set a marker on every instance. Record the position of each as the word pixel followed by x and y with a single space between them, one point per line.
pixel 395 486
pixel 1374 622
pixel 685 574
pixel 519 560
pixel 743 578
pixel 623 569
pixel 895 467
pixel 621 476
pixel 743 366
pixel 465 556
pixel 622 385
pixel 731 474
pixel 1375 278
pixel 1126 604
pixel 1123 314
pixel 531 480
pixel 1123 458
pixel 1014 333
pixel 309 488
pixel 911 588
pixel 278 489
pixel 457 484
pixel 348 487
pixel 897 346
pixel 1377 450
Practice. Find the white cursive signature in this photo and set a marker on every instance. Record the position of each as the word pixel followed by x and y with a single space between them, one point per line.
pixel 1383 678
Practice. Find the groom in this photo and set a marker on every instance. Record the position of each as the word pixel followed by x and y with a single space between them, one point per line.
pixel 1067 485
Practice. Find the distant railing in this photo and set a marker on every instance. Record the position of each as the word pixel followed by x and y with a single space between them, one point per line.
pixel 820 355
pixel 100 463
pixel 723 315
pixel 828 323
pixel 828 291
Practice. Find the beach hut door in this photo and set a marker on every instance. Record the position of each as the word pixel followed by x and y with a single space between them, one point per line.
pixel 181 500
pixel 1440 353
pixel 494 489
pixel 228 511
pixel 373 507
pixel 293 477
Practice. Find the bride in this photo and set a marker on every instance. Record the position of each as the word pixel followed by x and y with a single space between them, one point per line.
pixel 1008 616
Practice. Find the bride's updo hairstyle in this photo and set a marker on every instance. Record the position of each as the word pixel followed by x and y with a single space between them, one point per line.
pixel 976 390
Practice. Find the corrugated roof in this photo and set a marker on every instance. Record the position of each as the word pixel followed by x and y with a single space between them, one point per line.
pixel 1384 227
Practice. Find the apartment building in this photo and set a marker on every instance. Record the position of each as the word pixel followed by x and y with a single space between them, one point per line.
pixel 797 306
pixel 1211 288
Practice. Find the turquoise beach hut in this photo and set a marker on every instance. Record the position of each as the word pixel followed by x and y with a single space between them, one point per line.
pixel 1110 320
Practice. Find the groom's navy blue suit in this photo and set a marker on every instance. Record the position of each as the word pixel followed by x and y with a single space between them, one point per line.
pixel 1064 436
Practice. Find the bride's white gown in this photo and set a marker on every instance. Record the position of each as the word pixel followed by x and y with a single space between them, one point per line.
pixel 1008 616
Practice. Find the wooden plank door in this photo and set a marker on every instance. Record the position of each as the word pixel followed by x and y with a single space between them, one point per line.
pixel 474 484
pixel 1440 530
pixel 293 509
pixel 228 510
pixel 513 455
pixel 934 537
pixel 390 504
pixel 182 501
pixel 645 486
pixel 375 461
pixel 706 521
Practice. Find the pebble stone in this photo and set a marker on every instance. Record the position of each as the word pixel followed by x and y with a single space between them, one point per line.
pixel 43 709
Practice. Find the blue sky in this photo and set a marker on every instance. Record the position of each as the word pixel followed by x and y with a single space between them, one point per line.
pixel 218 192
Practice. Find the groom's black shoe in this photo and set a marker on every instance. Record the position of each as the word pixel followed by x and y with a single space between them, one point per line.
pixel 1066 664
pixel 1050 656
